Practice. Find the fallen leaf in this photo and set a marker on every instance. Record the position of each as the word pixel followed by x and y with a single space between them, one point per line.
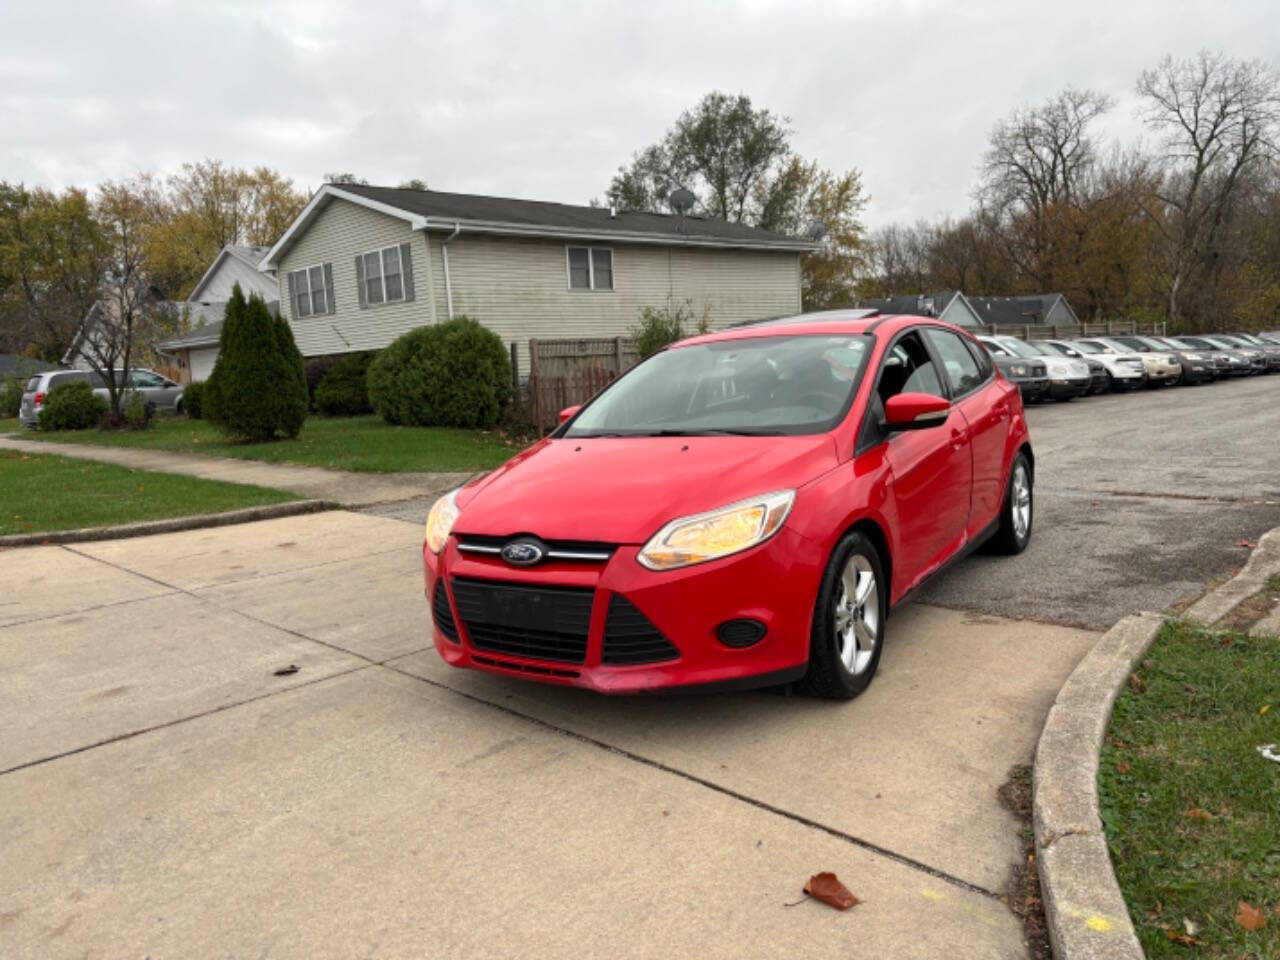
pixel 1185 939
pixel 1248 544
pixel 1195 813
pixel 1122 766
pixel 285 671
pixel 1263 711
pixel 1190 926
pixel 1250 917
pixel 828 888
pixel 1136 684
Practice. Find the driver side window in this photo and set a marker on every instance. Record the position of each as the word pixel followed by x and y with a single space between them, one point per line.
pixel 906 368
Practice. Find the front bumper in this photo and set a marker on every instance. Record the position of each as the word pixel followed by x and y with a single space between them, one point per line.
pixel 1033 388
pixel 1197 372
pixel 774 584
pixel 1069 388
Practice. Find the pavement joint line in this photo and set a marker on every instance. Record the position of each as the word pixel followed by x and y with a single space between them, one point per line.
pixel 600 744
pixel 756 802
pixel 367 665
pixel 1084 493
pixel 101 606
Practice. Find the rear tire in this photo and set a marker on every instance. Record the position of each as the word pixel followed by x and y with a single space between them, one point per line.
pixel 848 622
pixel 1017 513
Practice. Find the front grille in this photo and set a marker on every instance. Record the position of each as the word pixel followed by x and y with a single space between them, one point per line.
pixel 579 551
pixel 442 614
pixel 630 637
pixel 543 623
pixel 1038 370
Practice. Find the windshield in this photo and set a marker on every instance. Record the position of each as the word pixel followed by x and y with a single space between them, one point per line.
pixel 1088 348
pixel 759 385
pixel 1018 348
pixel 1045 346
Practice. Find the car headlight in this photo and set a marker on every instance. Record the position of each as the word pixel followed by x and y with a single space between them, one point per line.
pixel 1018 369
pixel 717 533
pixel 440 521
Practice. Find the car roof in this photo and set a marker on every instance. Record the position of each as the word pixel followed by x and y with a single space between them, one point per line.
pixel 847 321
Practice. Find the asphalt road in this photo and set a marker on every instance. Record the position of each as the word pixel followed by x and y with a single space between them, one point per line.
pixel 1141 500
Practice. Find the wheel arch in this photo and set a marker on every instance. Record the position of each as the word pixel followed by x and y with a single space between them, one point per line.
pixel 871 529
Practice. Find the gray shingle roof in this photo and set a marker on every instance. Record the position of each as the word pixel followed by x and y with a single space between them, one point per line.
pixel 1031 308
pixel 538 213
pixel 915 304
pixel 250 255
pixel 13 363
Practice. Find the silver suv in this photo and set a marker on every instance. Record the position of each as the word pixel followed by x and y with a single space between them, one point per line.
pixel 159 392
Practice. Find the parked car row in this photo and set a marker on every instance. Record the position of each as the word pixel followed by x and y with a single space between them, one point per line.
pixel 1066 369
pixel 159 393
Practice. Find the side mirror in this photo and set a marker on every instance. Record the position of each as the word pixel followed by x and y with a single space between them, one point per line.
pixel 916 411
pixel 568 412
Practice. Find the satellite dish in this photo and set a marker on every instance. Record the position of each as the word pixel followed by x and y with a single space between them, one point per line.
pixel 681 200
pixel 817 230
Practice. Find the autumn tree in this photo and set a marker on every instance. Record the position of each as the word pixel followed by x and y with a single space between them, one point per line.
pixel 737 162
pixel 52 255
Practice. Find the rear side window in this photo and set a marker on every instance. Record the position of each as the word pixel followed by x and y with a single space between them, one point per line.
pixel 961 368
pixel 33 385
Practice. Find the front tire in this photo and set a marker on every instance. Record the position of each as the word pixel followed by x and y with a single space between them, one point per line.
pixel 848 622
pixel 1017 514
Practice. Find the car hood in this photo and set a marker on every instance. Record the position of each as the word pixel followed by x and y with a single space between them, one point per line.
pixel 623 489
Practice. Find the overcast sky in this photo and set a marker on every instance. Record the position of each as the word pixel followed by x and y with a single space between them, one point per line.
pixel 545 100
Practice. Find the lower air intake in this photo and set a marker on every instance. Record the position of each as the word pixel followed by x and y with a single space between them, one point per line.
pixel 631 638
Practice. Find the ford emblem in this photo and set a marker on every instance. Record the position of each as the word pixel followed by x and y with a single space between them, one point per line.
pixel 523 553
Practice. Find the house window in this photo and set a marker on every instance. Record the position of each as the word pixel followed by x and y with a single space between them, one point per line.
pixel 383 276
pixel 590 268
pixel 311 294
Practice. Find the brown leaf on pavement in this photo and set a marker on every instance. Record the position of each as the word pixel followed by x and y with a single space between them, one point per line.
pixel 1250 917
pixel 1247 544
pixel 828 888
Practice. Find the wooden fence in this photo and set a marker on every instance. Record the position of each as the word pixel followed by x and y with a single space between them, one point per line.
pixel 1069 331
pixel 564 373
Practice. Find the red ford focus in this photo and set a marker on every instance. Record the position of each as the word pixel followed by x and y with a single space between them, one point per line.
pixel 741 509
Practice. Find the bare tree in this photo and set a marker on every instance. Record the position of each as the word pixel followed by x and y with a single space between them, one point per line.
pixel 1218 117
pixel 130 310
pixel 1034 166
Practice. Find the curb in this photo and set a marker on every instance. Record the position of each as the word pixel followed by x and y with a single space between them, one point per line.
pixel 1085 912
pixel 147 527
pixel 1262 563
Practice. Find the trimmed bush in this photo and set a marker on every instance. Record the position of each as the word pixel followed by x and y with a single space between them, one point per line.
pixel 344 391
pixel 193 400
pixel 135 411
pixel 11 396
pixel 453 374
pixel 258 388
pixel 72 406
pixel 316 368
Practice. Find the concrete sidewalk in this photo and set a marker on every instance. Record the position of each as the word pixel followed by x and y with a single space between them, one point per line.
pixel 315 483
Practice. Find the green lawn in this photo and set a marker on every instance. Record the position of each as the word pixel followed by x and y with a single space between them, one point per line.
pixel 341 443
pixel 1191 808
pixel 40 494
pixel 9 426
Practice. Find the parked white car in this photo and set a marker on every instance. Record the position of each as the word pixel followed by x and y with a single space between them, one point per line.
pixel 1125 371
pixel 1162 368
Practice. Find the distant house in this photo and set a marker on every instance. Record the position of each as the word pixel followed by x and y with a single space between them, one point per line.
pixel 194 353
pixel 362 265
pixel 1040 308
pixel 949 305
pixel 15 364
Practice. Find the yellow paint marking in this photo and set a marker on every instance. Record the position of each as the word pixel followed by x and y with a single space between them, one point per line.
pixel 1101 924
pixel 933 894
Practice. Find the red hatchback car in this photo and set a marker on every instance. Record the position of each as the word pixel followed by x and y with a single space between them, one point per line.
pixel 741 509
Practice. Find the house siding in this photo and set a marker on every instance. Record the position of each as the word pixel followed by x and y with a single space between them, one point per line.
pixel 339 232
pixel 231 270
pixel 519 287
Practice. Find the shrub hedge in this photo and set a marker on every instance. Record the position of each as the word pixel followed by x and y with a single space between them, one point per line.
pixel 193 400
pixel 72 406
pixel 344 391
pixel 451 374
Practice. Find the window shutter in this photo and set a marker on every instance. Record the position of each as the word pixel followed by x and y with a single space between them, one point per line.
pixel 360 280
pixel 293 300
pixel 328 286
pixel 406 271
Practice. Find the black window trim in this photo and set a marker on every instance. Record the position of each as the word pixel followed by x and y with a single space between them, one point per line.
pixel 952 395
pixel 871 433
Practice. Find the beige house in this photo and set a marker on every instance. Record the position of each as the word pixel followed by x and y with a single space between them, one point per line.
pixel 362 265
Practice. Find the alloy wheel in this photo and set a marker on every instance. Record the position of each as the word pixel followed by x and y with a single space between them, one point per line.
pixel 1020 501
pixel 857 614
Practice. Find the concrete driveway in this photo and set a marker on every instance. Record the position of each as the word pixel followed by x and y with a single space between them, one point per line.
pixel 164 794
